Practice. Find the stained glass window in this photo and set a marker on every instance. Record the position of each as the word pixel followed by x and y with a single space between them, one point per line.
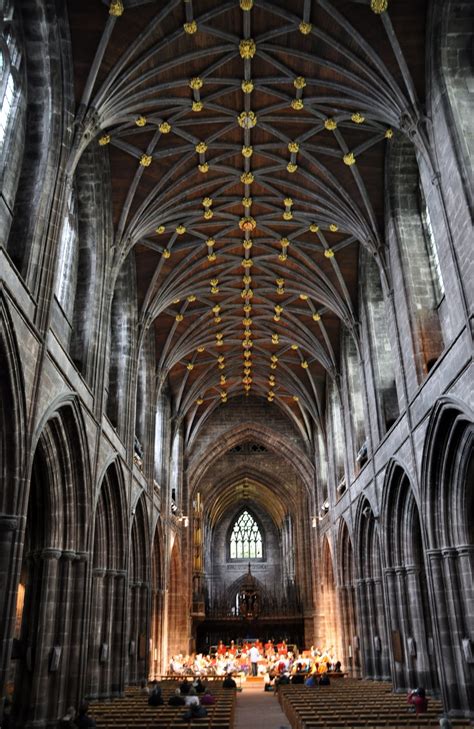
pixel 245 539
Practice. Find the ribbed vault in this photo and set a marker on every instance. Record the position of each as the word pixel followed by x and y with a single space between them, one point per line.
pixel 243 490
pixel 246 143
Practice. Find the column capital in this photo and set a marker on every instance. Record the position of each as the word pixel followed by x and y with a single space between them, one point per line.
pixel 9 523
pixel 69 554
pixel 50 553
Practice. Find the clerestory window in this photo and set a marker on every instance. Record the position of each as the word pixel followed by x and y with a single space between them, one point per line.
pixel 245 538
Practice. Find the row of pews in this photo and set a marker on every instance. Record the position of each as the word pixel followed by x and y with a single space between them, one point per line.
pixel 351 703
pixel 132 711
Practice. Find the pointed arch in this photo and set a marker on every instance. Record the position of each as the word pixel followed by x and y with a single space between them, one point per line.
pixel 447 497
pixel 178 639
pixel 347 599
pixel 329 600
pixel 409 605
pixel 57 535
pixel 106 634
pixel 139 594
pixel 448 474
pixel 156 666
pixel 12 415
pixel 371 598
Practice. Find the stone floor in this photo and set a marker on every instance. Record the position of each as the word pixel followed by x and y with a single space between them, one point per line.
pixel 258 708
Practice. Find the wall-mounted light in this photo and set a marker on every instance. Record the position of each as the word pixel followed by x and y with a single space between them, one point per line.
pixel 314 521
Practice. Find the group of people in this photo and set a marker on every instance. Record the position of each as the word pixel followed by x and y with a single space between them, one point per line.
pixel 254 658
pixel 193 696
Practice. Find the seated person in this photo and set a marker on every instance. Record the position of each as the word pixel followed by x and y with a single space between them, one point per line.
pixel 194 711
pixel 199 686
pixel 207 699
pixel 83 720
pixel 156 697
pixel 418 700
pixel 229 682
pixel 324 680
pixel 337 666
pixel 185 686
pixel 176 699
pixel 144 690
pixel 269 681
pixel 298 676
pixel 283 680
pixel 191 698
pixel 311 681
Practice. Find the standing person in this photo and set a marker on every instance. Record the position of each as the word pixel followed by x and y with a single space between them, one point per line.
pixel 254 659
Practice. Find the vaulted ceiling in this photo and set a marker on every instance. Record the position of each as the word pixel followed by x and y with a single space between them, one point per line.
pixel 247 142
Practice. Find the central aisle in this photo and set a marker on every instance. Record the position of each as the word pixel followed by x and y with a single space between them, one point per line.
pixel 258 709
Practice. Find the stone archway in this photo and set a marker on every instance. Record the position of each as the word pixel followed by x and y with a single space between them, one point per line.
pixel 157 605
pixel 12 482
pixel 371 600
pixel 138 596
pixel 347 601
pixel 410 620
pixel 329 603
pixel 178 629
pixel 107 625
pixel 51 607
pixel 447 490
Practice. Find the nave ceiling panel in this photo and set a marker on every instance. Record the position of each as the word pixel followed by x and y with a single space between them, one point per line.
pixel 247 144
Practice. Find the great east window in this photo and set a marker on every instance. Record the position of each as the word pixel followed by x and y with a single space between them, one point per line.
pixel 245 538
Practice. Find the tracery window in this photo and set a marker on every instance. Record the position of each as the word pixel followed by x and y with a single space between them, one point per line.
pixel 430 242
pixel 246 539
pixel 10 59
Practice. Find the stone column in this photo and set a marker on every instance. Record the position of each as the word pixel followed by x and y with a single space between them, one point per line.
pixel 397 666
pixel 466 587
pixel 409 674
pixel 367 669
pixel 444 654
pixel 456 627
pixel 63 628
pixel 144 629
pixel 373 627
pixel 9 526
pixel 418 623
pixel 383 659
pixel 108 621
pixel 118 635
pixel 94 667
pixel 79 633
pixel 46 606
